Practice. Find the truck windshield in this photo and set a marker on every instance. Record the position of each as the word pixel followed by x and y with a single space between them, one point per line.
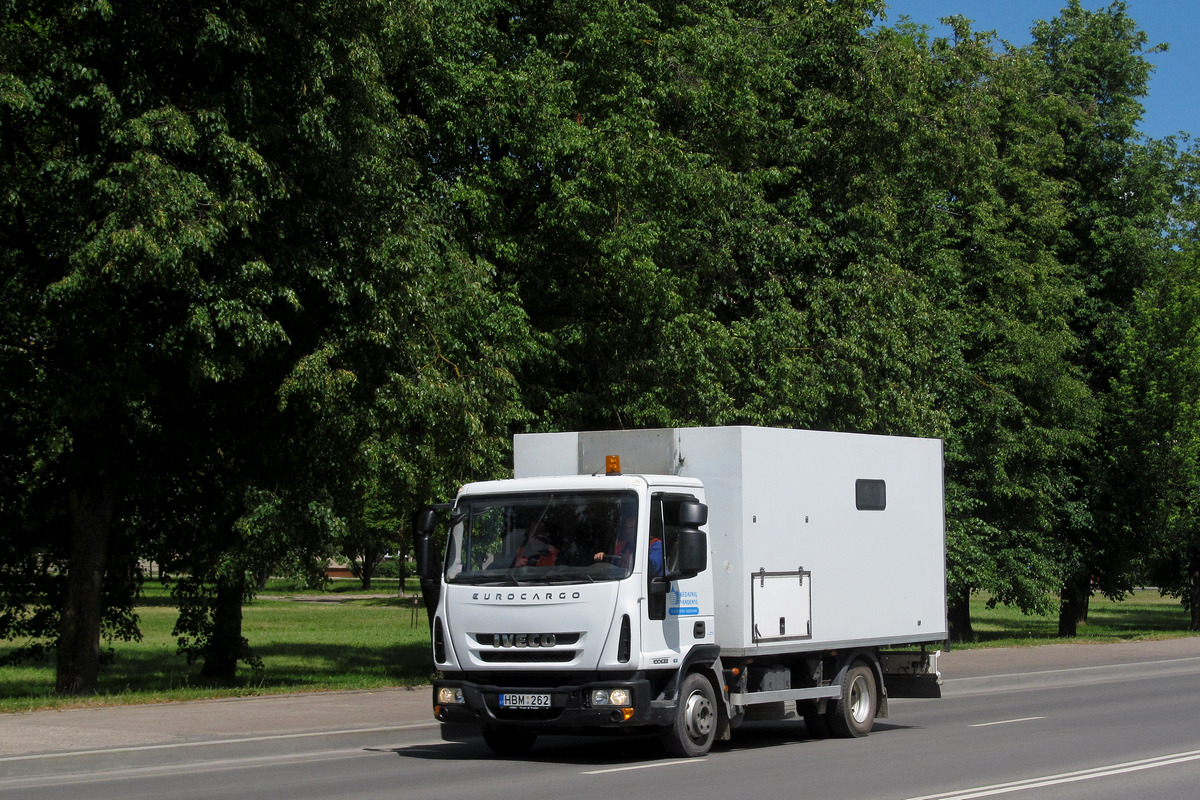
pixel 542 538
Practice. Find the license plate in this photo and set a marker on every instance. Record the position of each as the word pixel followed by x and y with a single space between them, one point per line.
pixel 524 701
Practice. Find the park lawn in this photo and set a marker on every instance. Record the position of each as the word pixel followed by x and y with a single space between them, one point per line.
pixel 339 640
pixel 1144 615
pixel 305 645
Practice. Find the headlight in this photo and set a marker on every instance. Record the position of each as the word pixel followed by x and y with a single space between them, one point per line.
pixel 610 697
pixel 449 695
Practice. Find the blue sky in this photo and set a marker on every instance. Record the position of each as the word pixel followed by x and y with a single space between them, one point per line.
pixel 1174 100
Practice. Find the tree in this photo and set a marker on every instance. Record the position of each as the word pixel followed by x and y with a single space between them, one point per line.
pixel 718 213
pixel 1156 437
pixel 1117 197
pixel 977 212
pixel 226 279
pixel 373 532
pixel 626 169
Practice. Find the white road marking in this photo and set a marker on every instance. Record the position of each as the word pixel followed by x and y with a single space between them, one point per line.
pixel 1004 722
pixel 671 763
pixel 1066 777
pixel 178 769
pixel 208 742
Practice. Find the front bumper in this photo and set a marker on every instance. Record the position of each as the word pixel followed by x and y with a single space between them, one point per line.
pixel 569 708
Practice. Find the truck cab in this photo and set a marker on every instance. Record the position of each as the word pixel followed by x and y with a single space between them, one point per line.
pixel 570 603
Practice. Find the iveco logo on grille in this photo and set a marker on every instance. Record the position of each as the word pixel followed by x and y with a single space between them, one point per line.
pixel 524 640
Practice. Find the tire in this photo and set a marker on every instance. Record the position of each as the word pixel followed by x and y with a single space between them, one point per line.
pixel 695 724
pixel 509 741
pixel 816 722
pixel 853 715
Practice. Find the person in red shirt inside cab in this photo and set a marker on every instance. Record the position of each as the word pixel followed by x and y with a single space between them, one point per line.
pixel 624 546
pixel 536 551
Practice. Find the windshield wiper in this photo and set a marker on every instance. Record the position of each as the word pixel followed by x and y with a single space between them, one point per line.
pixel 574 577
pixel 485 580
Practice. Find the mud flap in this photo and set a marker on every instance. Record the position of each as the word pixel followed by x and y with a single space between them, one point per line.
pixel 911 674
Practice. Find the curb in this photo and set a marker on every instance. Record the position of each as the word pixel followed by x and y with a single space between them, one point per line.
pixel 202 753
pixel 1071 676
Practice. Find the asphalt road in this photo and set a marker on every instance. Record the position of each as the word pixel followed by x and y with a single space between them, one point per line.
pixel 1048 723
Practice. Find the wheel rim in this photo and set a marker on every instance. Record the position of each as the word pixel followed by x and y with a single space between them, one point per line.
pixel 860 700
pixel 699 717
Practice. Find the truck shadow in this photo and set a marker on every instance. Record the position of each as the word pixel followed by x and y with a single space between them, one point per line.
pixel 609 752
pixel 584 751
pixel 759 735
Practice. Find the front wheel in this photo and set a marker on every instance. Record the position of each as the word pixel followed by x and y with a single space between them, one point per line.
pixel 853 715
pixel 695 724
pixel 509 741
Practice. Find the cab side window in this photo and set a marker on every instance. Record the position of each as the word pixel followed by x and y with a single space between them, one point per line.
pixel 664 524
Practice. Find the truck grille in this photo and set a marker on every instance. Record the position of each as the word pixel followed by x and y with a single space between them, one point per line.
pixel 527 656
pixel 489 639
pixel 508 648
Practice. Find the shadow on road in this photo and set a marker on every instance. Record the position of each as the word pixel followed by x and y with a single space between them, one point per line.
pixel 618 751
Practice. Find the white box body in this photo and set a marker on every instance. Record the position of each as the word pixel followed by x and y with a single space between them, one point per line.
pixel 818 541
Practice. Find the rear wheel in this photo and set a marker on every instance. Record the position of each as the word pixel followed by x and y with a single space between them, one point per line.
pixel 816 722
pixel 695 724
pixel 853 714
pixel 509 741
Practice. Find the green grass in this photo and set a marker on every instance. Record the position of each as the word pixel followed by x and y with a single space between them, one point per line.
pixel 315 643
pixel 1145 615
pixel 321 641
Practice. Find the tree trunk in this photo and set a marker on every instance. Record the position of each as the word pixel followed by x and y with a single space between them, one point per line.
pixel 78 667
pixel 1074 600
pixel 959 619
pixel 225 646
pixel 367 570
pixel 1195 596
pixel 1068 621
pixel 372 557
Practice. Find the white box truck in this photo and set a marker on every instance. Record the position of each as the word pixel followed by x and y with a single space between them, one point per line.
pixel 682 580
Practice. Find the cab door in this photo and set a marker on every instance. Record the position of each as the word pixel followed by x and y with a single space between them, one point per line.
pixel 675 621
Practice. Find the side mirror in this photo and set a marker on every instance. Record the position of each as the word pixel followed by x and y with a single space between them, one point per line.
pixel 693 544
pixel 425 522
pixel 428 563
pixel 693 553
pixel 692 514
